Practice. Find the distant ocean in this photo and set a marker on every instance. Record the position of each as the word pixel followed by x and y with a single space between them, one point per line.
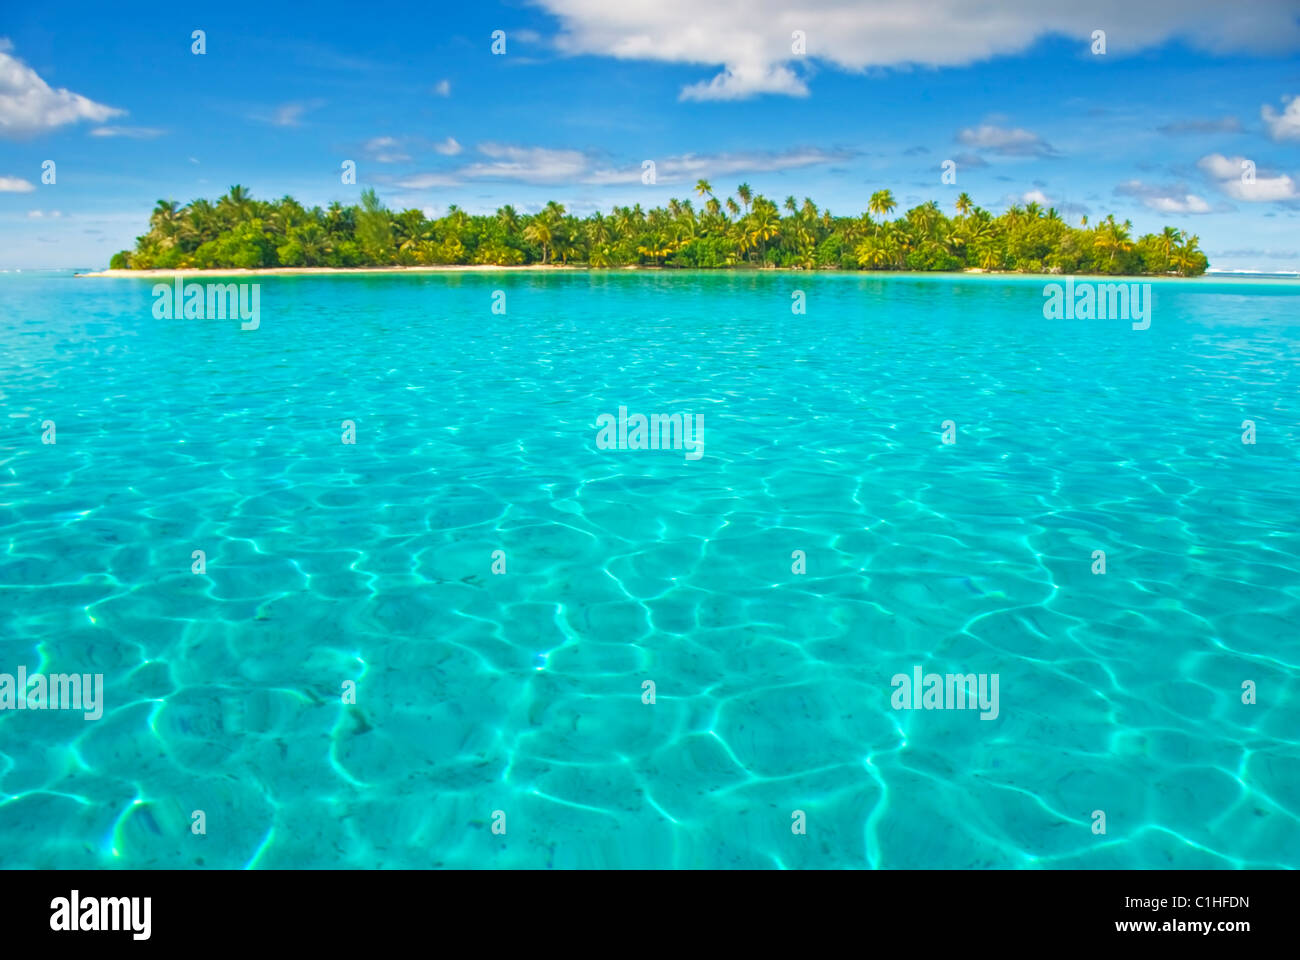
pixel 438 645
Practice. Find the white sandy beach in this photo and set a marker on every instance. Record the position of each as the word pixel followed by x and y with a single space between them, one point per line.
pixel 289 271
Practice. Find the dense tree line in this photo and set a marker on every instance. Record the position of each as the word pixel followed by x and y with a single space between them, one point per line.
pixel 745 230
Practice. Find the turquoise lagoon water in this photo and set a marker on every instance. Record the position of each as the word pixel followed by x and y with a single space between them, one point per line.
pixel 522 692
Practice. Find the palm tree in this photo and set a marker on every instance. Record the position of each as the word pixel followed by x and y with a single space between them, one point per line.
pixel 733 207
pixel 199 225
pixel 1189 257
pixel 764 225
pixel 539 232
pixel 703 188
pixel 288 214
pixel 964 204
pixel 165 222
pixel 236 204
pixel 598 231
pixel 657 246
pixel 1112 239
pixel 314 243
pixel 990 259
pixel 872 254
pixel 508 218
pixel 746 193
pixel 1168 240
pixel 881 204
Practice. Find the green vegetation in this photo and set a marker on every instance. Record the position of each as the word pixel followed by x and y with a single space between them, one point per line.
pixel 238 231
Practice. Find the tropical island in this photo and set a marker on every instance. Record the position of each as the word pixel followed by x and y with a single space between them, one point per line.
pixel 747 230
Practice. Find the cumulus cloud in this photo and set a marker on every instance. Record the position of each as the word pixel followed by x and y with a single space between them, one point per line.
pixel 15 185
pixel 448 147
pixel 1284 125
pixel 1164 199
pixel 1231 175
pixel 745 80
pixel 29 106
pixel 751 39
pixel 1036 196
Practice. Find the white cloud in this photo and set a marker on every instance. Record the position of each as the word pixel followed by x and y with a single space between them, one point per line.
pixel 1284 125
pixel 543 165
pixel 751 39
pixel 448 147
pixel 527 164
pixel 690 167
pixel 1263 190
pixel 1164 199
pixel 385 150
pixel 745 80
pixel 1004 141
pixel 28 105
pixel 134 133
pixel 291 114
pixel 443 88
pixel 1188 203
pixel 15 185
pixel 40 214
pixel 1265 187
pixel 1220 167
pixel 1036 196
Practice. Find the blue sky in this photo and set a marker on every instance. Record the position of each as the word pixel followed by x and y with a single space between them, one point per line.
pixel 1155 130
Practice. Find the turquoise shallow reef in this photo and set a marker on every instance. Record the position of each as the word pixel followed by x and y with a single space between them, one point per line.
pixel 522 692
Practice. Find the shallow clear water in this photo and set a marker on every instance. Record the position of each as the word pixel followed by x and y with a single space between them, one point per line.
pixel 522 692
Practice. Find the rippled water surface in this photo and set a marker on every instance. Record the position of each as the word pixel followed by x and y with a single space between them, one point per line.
pixel 522 692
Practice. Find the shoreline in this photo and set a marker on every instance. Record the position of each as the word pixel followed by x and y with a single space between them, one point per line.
pixel 315 271
pixel 573 268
